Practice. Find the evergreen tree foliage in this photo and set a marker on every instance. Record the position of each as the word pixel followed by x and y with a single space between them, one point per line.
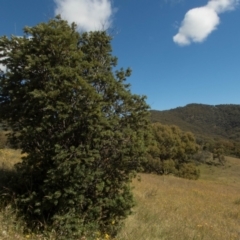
pixel 84 133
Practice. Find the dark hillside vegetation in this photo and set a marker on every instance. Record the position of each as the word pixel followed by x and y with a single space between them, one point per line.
pixel 214 126
pixel 214 121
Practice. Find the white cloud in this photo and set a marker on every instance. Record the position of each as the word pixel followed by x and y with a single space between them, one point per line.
pixel 222 5
pixel 198 23
pixel 89 15
pixel 196 26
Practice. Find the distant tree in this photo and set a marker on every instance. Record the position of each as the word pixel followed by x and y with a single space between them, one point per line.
pixel 189 171
pixel 170 149
pixel 84 133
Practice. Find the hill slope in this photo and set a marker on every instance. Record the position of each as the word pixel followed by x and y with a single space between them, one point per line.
pixel 219 121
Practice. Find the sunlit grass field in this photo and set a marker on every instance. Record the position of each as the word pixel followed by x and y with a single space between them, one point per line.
pixel 174 208
pixel 167 207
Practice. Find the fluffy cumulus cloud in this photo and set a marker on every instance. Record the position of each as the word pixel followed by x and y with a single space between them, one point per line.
pixel 199 22
pixel 89 15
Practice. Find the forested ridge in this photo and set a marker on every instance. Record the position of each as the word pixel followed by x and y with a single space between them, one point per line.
pixel 215 124
pixel 210 120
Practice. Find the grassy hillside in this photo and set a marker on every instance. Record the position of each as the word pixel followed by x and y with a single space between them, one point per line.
pixel 173 208
pixel 167 207
pixel 220 121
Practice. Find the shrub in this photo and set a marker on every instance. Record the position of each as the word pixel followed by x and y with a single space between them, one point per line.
pixel 189 171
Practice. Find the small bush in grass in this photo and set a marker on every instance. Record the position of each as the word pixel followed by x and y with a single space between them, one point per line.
pixel 189 171
pixel 237 202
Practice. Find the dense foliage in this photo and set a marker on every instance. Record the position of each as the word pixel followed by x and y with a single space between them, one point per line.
pixel 216 128
pixel 83 132
pixel 172 151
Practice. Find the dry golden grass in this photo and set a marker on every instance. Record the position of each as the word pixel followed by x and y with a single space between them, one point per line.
pixel 167 207
pixel 8 157
pixel 174 208
pixel 10 228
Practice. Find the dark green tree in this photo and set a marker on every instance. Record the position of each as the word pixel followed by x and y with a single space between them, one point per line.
pixel 82 129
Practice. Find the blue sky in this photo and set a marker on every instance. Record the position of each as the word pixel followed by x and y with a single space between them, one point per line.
pixel 180 51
